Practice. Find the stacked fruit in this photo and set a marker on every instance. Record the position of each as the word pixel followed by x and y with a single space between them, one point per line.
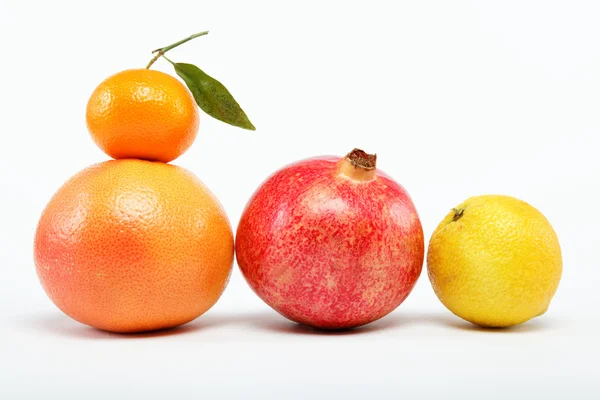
pixel 136 244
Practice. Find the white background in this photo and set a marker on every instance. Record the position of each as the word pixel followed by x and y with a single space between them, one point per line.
pixel 456 98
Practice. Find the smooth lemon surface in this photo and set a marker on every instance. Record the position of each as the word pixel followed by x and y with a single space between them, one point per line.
pixel 495 261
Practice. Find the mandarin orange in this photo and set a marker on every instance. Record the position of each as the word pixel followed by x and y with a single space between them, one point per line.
pixel 133 245
pixel 141 113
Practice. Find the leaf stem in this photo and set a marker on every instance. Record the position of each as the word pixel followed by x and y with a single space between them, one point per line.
pixel 165 57
pixel 161 51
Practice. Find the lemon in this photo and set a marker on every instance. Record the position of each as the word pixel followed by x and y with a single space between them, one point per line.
pixel 495 261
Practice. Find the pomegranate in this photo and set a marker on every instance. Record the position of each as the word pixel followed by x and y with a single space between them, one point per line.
pixel 331 242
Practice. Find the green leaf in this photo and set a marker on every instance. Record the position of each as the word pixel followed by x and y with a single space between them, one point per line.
pixel 212 97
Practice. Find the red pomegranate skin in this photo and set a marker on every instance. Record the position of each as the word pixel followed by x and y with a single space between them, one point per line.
pixel 329 251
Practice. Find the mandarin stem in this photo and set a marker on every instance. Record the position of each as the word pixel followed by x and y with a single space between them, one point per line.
pixel 153 60
pixel 161 51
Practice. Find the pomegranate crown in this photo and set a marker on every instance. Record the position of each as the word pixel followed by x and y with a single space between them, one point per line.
pixel 362 159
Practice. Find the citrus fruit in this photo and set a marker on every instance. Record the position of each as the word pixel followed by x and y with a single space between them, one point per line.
pixel 495 261
pixel 141 113
pixel 133 245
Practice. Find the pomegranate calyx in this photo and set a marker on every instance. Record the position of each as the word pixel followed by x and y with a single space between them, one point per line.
pixel 362 159
pixel 358 166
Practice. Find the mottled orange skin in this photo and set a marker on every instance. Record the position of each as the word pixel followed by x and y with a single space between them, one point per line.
pixel 141 113
pixel 328 251
pixel 131 245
